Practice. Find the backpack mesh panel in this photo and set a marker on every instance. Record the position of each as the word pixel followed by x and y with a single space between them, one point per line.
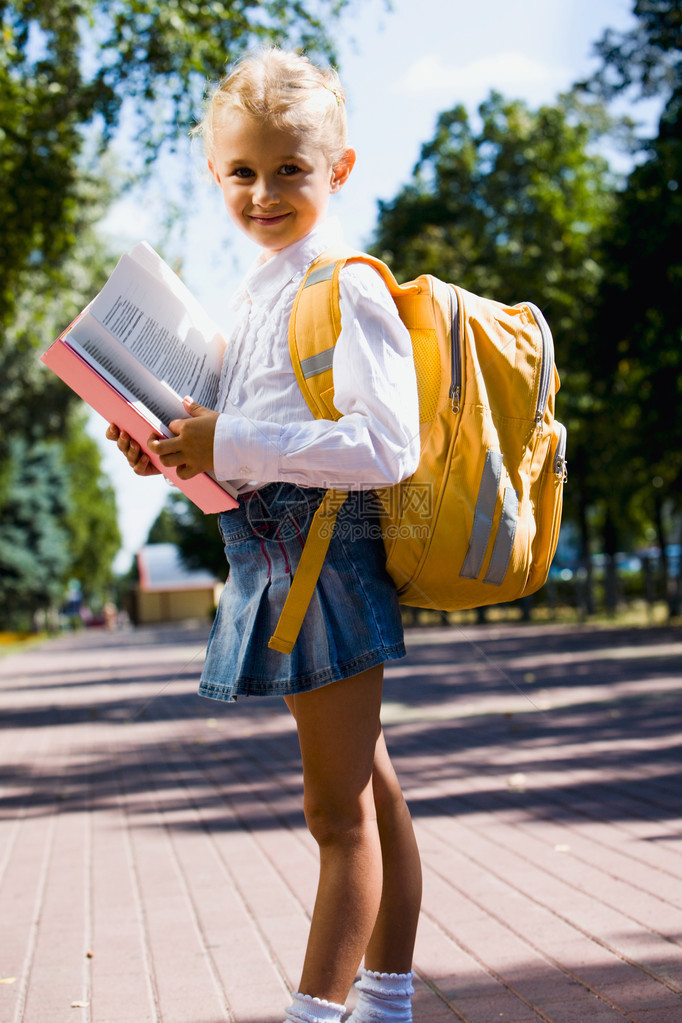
pixel 427 364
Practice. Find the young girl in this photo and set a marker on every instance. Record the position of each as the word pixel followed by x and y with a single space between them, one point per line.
pixel 275 138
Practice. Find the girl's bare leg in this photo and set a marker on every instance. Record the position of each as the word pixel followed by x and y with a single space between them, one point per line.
pixel 391 946
pixel 338 728
pixel 356 811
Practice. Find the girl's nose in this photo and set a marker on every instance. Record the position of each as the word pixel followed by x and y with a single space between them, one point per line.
pixel 265 192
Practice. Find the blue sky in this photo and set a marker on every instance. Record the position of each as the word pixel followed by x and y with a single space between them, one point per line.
pixel 400 69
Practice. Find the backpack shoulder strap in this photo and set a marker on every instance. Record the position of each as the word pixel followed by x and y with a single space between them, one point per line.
pixel 315 324
pixel 314 328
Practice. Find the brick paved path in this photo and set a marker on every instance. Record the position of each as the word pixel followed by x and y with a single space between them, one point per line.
pixel 154 864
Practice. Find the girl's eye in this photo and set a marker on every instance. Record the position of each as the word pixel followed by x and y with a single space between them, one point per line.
pixel 289 168
pixel 242 172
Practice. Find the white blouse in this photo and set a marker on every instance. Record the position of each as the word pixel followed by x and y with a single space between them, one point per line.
pixel 267 433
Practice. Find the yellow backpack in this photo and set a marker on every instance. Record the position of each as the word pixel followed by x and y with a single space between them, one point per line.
pixel 478 522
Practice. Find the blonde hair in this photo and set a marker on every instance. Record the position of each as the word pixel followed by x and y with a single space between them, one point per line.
pixel 285 90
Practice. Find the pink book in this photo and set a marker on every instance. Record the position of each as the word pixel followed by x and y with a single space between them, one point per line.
pixel 135 350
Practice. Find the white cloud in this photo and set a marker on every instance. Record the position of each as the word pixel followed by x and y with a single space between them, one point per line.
pixel 511 72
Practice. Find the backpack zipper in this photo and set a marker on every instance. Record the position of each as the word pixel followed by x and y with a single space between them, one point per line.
pixel 559 467
pixel 546 364
pixel 455 357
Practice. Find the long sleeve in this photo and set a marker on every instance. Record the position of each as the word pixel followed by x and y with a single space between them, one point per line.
pixel 376 441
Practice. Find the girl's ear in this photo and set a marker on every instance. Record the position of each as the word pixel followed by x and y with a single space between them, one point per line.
pixel 214 172
pixel 341 170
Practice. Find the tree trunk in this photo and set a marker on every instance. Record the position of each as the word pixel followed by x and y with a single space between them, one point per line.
pixel 585 592
pixel 611 579
pixel 669 586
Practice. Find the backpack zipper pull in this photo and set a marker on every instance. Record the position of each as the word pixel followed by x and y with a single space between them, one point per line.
pixel 455 395
pixel 455 392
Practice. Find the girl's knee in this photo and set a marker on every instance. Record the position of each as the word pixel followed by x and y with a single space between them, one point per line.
pixel 348 824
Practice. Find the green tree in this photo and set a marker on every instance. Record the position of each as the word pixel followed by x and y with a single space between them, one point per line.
pixel 40 416
pixel 647 58
pixel 195 534
pixel 511 210
pixel 68 70
pixel 34 553
pixel 57 522
pixel 639 363
pixel 36 404
pixel 165 528
pixel 90 514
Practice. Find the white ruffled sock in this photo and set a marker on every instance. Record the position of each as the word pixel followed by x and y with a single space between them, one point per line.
pixel 306 1009
pixel 385 997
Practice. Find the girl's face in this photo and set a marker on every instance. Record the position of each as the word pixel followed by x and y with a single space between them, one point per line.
pixel 276 184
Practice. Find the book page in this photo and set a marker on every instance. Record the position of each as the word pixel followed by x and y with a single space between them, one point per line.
pixel 180 346
pixel 122 370
pixel 152 262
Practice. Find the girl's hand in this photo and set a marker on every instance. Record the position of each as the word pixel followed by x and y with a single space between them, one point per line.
pixel 191 449
pixel 137 458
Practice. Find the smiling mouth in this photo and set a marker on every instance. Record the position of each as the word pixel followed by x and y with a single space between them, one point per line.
pixel 276 218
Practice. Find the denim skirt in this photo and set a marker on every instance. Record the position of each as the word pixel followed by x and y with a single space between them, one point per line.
pixel 353 621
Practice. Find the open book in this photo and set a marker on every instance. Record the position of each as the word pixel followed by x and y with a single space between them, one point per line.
pixel 136 350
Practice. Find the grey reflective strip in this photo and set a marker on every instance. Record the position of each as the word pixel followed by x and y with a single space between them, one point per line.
pixel 483 516
pixel 504 541
pixel 323 273
pixel 315 364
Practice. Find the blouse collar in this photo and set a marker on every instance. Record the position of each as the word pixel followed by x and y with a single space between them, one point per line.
pixel 264 280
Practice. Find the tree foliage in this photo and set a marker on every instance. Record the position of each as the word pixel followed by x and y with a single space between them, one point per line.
pixel 639 365
pixel 510 209
pixel 647 57
pixel 67 68
pixel 43 107
pixel 93 536
pixel 164 53
pixel 36 403
pixel 57 522
pixel 33 537
pixel 639 369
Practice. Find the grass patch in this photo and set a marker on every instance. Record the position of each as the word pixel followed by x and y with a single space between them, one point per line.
pixel 633 614
pixel 12 642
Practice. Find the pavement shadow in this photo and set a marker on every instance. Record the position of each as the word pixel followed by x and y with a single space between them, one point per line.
pixel 238 766
pixel 529 994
